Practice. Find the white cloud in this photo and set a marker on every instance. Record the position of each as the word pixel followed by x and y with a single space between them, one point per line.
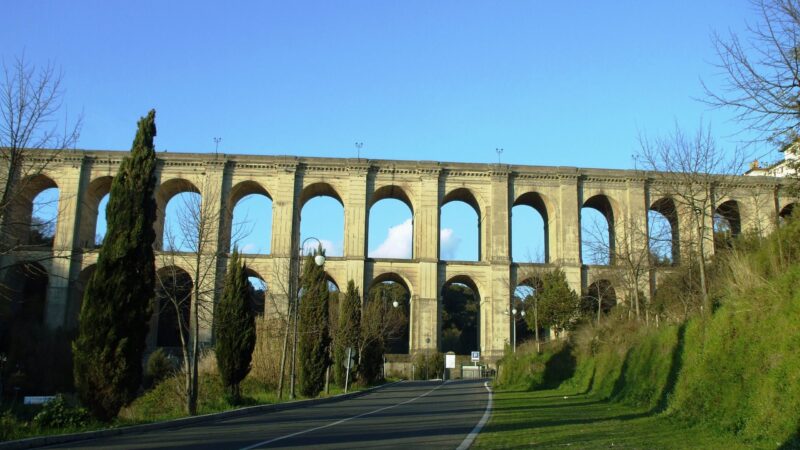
pixel 397 243
pixel 249 248
pixel 331 249
pixel 449 243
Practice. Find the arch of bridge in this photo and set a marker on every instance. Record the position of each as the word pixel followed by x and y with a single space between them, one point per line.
pixel 490 189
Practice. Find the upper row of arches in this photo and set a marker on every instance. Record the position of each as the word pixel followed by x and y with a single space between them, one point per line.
pixel 247 220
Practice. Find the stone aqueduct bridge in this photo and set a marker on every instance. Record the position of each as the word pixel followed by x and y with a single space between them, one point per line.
pixel 557 193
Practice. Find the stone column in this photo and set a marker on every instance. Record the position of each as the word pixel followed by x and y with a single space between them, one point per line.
pixel 633 232
pixel 67 226
pixel 425 312
pixel 285 225
pixel 568 228
pixel 355 225
pixel 495 325
pixel 212 261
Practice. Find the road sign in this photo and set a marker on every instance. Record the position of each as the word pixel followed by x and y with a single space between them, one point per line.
pixel 475 356
pixel 450 361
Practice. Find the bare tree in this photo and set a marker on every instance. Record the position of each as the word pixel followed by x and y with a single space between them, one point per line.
pixel 30 101
pixel 694 172
pixel 383 319
pixel 630 255
pixel 762 73
pixel 190 245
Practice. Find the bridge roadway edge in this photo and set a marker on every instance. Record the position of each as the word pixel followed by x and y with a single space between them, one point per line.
pixel 43 441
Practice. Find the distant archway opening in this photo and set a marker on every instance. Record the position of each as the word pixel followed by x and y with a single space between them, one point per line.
pixel 173 299
pixel 391 225
pixel 523 300
pixel 599 300
pixel 251 219
pixel 258 292
pixel 460 332
pixel 388 307
pixel 787 212
pixel 460 227
pixel 597 231
pixel 322 216
pixel 180 213
pixel 727 224
pixel 662 232
pixel 93 212
pixel 529 229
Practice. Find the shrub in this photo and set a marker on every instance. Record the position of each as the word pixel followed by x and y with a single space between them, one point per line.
pixel 59 413
pixel 428 365
pixel 159 367
pixel 10 426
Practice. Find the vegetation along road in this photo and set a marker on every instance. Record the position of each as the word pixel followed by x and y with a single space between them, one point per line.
pixel 430 414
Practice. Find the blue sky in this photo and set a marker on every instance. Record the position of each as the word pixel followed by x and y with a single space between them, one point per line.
pixel 552 83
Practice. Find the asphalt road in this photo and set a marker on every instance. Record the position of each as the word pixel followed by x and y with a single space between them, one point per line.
pixel 427 414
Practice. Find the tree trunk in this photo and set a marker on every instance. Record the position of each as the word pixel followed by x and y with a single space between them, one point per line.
pixel 701 260
pixel 285 346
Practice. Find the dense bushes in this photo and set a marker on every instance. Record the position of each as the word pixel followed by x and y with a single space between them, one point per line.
pixel 60 413
pixel 428 365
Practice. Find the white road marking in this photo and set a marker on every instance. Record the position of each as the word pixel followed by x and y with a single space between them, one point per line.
pixel 467 442
pixel 340 421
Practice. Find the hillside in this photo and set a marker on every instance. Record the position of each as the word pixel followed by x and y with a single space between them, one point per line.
pixel 735 371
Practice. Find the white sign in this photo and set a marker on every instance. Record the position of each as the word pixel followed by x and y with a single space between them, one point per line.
pixel 449 361
pixel 475 356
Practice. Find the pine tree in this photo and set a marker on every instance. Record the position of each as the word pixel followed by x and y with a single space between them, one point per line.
pixel 313 329
pixel 348 331
pixel 557 303
pixel 117 301
pixel 235 328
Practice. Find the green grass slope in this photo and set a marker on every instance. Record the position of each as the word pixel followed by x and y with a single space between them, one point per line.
pixel 735 372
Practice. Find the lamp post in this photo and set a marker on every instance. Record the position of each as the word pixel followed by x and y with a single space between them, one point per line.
pixel 513 315
pixel 319 260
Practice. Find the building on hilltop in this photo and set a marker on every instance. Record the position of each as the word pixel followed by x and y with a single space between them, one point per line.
pixel 785 168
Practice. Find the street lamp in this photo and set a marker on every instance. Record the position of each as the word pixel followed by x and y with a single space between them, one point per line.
pixel 319 260
pixel 513 314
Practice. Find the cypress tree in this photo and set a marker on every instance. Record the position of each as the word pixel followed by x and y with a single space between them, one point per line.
pixel 117 301
pixel 348 331
pixel 235 328
pixel 313 328
pixel 373 345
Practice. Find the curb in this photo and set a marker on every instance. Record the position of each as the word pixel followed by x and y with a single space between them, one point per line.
pixel 177 423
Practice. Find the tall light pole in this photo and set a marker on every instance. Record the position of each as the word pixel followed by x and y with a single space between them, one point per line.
pixel 513 313
pixel 319 260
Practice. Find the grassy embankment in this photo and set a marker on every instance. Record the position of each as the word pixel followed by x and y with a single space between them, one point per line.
pixel 730 380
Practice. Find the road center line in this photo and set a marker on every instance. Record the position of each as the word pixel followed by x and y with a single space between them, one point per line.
pixel 340 421
pixel 467 442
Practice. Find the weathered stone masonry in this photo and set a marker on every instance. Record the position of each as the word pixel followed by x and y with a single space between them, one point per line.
pixel 557 193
